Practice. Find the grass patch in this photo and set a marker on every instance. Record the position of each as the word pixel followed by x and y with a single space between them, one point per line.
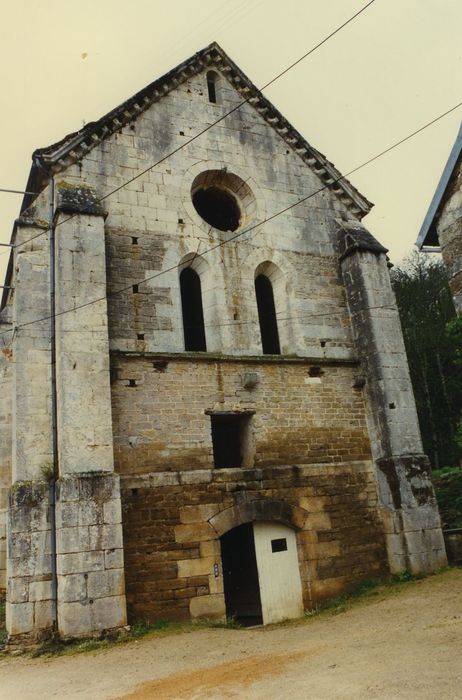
pixel 367 589
pixel 141 629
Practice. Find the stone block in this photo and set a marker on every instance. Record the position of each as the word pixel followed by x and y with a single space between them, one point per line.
pixel 39 590
pixel 19 544
pixel 114 559
pixel 198 476
pixel 195 567
pixel 42 614
pixel 194 532
pixel 216 582
pixel 318 521
pixel 209 607
pixel 81 562
pixel 72 588
pixel 211 548
pixel 72 539
pixel 112 511
pixel 196 514
pixel 327 549
pixel 106 583
pixel 105 536
pixel 67 489
pixel 17 590
pixel 420 518
pixel 86 619
pixel 323 589
pixel 78 514
pixel 19 618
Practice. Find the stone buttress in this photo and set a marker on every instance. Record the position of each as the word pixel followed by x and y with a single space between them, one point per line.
pixel 89 551
pixel 407 499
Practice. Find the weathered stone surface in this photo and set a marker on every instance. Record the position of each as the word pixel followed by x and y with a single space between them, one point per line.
pixel 406 493
pixel 82 619
pixel 80 562
pixel 106 583
pixel 19 618
pixel 73 588
pixel 209 607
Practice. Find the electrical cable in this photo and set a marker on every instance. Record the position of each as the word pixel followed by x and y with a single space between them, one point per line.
pixel 251 228
pixel 210 126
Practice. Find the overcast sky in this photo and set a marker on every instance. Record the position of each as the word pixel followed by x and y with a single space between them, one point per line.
pixel 394 68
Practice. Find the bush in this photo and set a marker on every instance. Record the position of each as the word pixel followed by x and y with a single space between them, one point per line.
pixel 448 488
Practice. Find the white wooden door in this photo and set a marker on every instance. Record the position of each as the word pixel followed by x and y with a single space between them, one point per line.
pixel 278 572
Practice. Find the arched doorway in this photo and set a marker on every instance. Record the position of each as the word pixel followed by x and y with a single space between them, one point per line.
pixel 261 575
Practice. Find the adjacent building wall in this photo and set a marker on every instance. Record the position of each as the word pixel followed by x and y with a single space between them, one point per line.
pixel 449 229
pixel 6 378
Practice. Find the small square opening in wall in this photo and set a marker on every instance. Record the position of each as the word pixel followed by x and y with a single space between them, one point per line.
pixel 279 545
pixel 231 440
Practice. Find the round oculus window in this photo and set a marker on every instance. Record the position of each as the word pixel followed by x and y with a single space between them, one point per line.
pixel 223 200
pixel 217 207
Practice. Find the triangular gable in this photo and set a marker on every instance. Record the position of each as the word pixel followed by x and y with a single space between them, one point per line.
pixel 75 146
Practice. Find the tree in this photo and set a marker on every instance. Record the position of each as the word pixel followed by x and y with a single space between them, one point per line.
pixel 426 308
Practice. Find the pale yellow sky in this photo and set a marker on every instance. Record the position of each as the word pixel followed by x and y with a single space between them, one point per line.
pixel 394 68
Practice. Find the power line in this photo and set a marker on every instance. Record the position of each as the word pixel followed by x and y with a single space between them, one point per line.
pixel 2 189
pixel 303 316
pixel 210 126
pixel 251 228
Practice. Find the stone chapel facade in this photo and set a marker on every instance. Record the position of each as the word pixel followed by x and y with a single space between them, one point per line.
pixel 235 426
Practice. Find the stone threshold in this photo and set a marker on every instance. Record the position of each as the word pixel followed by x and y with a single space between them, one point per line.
pixel 256 359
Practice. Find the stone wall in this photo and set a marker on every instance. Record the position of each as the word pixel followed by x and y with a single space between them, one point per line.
pixel 449 228
pixel 311 451
pixel 161 421
pixel 171 544
pixel 152 228
pixel 6 376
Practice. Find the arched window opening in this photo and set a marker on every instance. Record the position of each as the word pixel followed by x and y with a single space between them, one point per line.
pixel 212 79
pixel 193 315
pixel 267 316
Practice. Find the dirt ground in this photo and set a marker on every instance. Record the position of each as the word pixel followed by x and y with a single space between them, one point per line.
pixel 403 643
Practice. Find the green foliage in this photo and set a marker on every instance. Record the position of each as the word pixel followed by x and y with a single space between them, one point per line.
pixel 138 630
pixel 448 487
pixel 454 333
pixel 47 471
pixel 141 628
pixel 341 603
pixel 458 436
pixel 433 340
pixel 403 576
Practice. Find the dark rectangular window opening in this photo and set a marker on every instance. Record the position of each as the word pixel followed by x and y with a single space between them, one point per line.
pixel 279 545
pixel 230 439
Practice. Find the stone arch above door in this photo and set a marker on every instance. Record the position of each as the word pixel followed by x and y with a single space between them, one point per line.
pixel 270 509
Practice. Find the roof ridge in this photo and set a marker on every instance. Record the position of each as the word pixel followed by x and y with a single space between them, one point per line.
pixel 75 145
